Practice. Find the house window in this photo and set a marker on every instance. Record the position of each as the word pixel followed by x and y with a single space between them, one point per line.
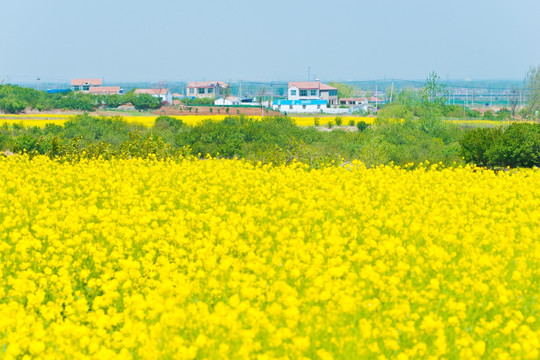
pixel 293 92
pixel 304 107
pixel 313 92
pixel 210 90
pixel 318 107
pixel 290 107
pixel 86 87
pixel 76 87
pixel 303 92
pixel 192 91
pixel 201 90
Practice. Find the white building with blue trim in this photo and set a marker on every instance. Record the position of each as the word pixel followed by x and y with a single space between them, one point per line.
pixel 301 106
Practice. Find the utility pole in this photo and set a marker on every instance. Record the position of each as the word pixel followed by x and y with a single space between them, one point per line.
pixel 240 90
pixel 392 91
pixel 38 84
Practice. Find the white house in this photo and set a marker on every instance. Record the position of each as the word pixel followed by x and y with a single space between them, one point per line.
pixel 206 89
pixel 164 94
pixel 353 101
pixel 229 100
pixel 312 90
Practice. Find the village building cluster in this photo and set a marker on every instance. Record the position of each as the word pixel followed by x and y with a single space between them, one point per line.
pixel 302 96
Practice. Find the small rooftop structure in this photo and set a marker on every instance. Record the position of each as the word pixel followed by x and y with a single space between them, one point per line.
pixel 206 84
pixel 91 82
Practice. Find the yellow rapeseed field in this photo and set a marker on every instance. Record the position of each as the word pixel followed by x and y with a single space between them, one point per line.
pixel 42 119
pixel 216 259
pixel 59 119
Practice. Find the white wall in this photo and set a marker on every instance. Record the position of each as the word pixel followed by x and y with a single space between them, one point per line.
pixel 298 97
pixel 222 102
pixel 337 111
pixel 167 97
pixel 310 109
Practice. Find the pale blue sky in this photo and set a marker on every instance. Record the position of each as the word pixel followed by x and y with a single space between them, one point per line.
pixel 121 40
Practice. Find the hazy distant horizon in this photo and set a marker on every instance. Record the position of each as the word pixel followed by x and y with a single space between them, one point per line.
pixel 107 82
pixel 136 41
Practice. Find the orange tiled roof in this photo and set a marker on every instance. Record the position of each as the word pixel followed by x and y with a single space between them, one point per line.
pixel 311 85
pixel 327 87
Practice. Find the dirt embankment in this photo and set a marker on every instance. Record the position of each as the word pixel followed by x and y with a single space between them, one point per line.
pixel 165 110
pixel 216 110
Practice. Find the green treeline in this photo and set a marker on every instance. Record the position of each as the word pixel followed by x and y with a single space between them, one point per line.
pixel 273 139
pixel 278 140
pixel 14 99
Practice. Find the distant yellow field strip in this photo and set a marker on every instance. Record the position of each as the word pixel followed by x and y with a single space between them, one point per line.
pixel 59 119
pixel 43 119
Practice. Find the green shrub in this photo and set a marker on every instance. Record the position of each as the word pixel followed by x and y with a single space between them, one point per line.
pixel 12 105
pixel 145 101
pixel 488 115
pixel 197 101
pixel 362 125
pixel 477 144
pixel 518 145
pixel 504 114
pixel 168 122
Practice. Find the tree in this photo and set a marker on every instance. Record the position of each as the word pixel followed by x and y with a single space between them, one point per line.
pixel 433 90
pixel 11 105
pixel 433 96
pixel 513 100
pixel 160 88
pixel 532 88
pixel 344 90
pixel 225 91
pixel 261 95
pixel 407 97
pixel 146 101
